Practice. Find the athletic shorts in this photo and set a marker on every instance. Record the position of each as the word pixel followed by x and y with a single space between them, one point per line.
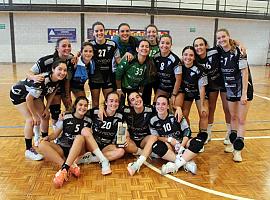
pixel 65 150
pixel 106 85
pixel 249 95
pixel 101 146
pixel 190 96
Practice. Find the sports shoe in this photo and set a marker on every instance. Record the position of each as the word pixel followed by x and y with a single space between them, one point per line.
pixel 133 168
pixel 154 155
pixel 237 156
pixel 169 167
pixel 190 166
pixel 202 150
pixel 75 170
pixel 32 154
pixel 227 139
pixel 105 167
pixel 229 148
pixel 87 158
pixel 60 177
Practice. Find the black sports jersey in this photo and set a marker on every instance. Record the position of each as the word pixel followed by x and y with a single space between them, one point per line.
pixel 192 79
pixel 170 127
pixel 231 64
pixel 138 123
pixel 103 57
pixel 37 90
pixel 105 131
pixel 71 126
pixel 211 63
pixel 167 68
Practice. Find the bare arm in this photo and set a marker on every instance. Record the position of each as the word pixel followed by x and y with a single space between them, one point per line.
pixel 244 72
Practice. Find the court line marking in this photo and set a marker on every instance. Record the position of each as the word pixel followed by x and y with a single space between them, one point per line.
pixel 246 138
pixel 263 97
pixel 178 180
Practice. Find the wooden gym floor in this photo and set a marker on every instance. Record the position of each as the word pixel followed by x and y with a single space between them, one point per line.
pixel 218 176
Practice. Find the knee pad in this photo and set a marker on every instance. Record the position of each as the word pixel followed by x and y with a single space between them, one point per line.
pixel 202 135
pixel 238 143
pixel 55 111
pixel 196 144
pixel 233 136
pixel 159 148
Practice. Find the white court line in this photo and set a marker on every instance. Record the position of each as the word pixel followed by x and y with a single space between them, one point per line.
pixel 195 186
pixel 267 98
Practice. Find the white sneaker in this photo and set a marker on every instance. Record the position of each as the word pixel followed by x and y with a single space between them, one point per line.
pixel 105 167
pixel 237 156
pixel 133 168
pixel 153 155
pixel 190 166
pixel 87 158
pixel 229 148
pixel 227 139
pixel 169 167
pixel 33 155
pixel 202 150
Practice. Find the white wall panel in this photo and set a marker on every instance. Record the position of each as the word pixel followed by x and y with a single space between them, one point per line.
pixel 253 34
pixel 5 43
pixel 31 33
pixel 181 26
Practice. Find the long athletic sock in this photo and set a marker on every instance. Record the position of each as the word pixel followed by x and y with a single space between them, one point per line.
pixel 28 143
pixel 209 129
pixel 229 128
pixel 36 131
pixel 179 161
pixel 141 160
pixel 100 155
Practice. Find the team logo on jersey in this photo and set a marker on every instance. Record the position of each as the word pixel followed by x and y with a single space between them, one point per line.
pixel 109 48
pixel 51 89
pixel 69 123
pixel 169 62
pixel 192 73
pixel 210 59
pixel 85 124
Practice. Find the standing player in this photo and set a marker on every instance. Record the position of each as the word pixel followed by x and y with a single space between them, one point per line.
pixel 105 51
pixel 193 87
pixel 44 64
pixel 210 59
pixel 176 136
pixel 28 95
pixel 83 69
pixel 151 33
pixel 130 76
pixel 238 83
pixel 169 73
pixel 74 141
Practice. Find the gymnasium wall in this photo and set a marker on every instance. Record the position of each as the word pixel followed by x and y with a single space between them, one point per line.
pixel 31 35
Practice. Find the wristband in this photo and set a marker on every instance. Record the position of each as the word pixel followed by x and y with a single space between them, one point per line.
pixel 174 95
pixel 119 89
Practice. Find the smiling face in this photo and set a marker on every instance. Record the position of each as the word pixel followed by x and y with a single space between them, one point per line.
pixel 223 39
pixel 165 45
pixel 124 33
pixel 64 48
pixel 188 57
pixel 144 48
pixel 87 53
pixel 200 47
pixel 59 72
pixel 81 108
pixel 99 33
pixel 162 106
pixel 112 102
pixel 135 100
pixel 152 34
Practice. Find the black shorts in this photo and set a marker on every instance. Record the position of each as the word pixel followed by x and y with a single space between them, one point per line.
pixel 249 95
pixel 18 94
pixel 217 89
pixel 101 146
pixel 106 85
pixel 190 96
pixel 65 150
